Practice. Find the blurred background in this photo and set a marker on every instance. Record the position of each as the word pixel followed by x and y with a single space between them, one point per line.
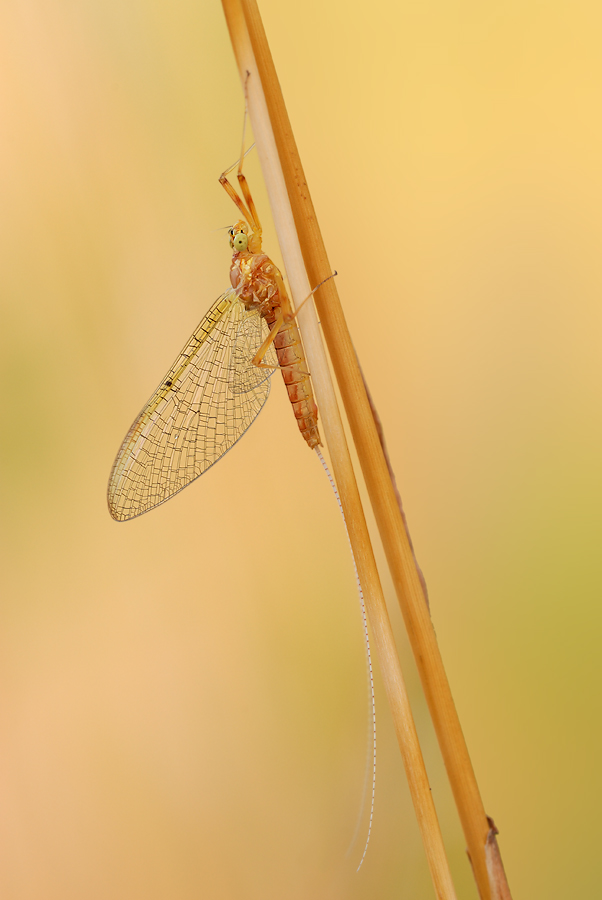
pixel 183 699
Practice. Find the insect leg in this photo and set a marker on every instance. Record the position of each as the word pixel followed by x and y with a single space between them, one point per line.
pixel 234 196
pixel 249 211
pixel 264 347
pixel 244 187
pixel 311 293
pixel 255 223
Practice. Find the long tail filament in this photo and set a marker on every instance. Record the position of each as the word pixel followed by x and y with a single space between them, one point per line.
pixel 368 661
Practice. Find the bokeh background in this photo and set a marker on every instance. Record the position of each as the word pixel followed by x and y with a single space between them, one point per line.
pixel 183 702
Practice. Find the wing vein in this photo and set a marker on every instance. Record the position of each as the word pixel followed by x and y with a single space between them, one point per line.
pixel 205 403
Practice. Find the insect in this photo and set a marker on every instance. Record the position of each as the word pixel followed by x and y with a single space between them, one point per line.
pixel 216 389
pixel 220 381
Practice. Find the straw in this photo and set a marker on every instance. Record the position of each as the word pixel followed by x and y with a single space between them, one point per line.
pixel 394 536
pixel 339 454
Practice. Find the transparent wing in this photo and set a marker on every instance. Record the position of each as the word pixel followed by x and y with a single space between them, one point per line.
pixel 204 404
pixel 250 335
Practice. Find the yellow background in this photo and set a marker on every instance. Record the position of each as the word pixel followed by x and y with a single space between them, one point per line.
pixel 182 697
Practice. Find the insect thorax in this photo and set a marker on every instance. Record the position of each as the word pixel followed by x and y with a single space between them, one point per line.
pixel 253 277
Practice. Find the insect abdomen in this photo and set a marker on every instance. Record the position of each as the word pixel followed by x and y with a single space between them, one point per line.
pixel 298 385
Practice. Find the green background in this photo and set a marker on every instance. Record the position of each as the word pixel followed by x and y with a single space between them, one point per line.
pixel 183 696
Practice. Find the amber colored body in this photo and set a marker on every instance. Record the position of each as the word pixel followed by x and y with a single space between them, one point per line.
pixel 258 283
pixel 214 390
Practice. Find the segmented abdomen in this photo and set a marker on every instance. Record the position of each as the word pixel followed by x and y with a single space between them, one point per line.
pixel 296 378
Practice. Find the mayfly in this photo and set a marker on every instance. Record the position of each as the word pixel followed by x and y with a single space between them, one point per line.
pixel 217 387
pixel 220 381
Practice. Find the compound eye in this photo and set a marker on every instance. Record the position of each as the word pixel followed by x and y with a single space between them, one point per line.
pixel 240 241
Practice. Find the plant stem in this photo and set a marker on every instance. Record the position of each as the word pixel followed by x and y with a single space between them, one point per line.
pixel 341 461
pixel 394 536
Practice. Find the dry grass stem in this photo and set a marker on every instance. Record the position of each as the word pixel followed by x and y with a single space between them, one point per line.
pixel 339 454
pixel 393 533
